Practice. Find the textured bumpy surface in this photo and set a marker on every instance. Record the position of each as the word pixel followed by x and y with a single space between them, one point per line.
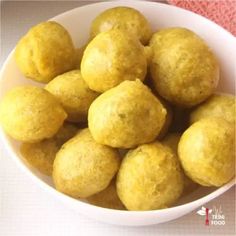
pixel 112 57
pixel 183 68
pixel 218 105
pixel 31 114
pixel 126 116
pixel 41 155
pixel 107 198
pixel 45 52
pixel 149 178
pixel 73 93
pixel 83 167
pixel 124 18
pixel 207 151
pixel 172 141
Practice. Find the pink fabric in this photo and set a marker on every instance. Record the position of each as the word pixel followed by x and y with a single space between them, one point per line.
pixel 223 12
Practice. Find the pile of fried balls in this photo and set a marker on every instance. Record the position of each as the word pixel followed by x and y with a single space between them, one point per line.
pixel 129 121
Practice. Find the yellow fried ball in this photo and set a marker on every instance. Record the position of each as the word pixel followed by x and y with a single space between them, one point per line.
pixel 45 51
pixel 31 114
pixel 218 105
pixel 41 155
pixel 183 69
pixel 126 116
pixel 207 151
pixel 73 93
pixel 107 198
pixel 83 167
pixel 112 57
pixel 149 178
pixel 125 18
pixel 172 141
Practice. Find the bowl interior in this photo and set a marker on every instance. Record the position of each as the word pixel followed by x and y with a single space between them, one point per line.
pixel 78 21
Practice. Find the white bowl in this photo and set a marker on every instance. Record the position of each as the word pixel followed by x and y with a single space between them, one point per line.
pixel 77 22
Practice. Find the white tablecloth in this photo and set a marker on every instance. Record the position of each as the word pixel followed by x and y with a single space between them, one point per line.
pixel 26 210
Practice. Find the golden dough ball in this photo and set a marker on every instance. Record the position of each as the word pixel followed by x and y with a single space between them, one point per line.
pixel 73 93
pixel 126 116
pixel 66 132
pixel 183 69
pixel 149 178
pixel 31 114
pixel 107 198
pixel 40 155
pixel 79 52
pixel 207 151
pixel 172 140
pixel 45 51
pixel 83 167
pixel 218 105
pixel 124 18
pixel 112 57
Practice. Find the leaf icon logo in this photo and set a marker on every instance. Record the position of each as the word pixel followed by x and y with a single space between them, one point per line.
pixel 201 212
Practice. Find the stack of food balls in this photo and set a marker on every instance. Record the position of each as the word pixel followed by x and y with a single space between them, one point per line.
pixel 101 132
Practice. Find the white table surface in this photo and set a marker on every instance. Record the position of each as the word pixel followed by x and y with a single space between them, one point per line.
pixel 26 210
